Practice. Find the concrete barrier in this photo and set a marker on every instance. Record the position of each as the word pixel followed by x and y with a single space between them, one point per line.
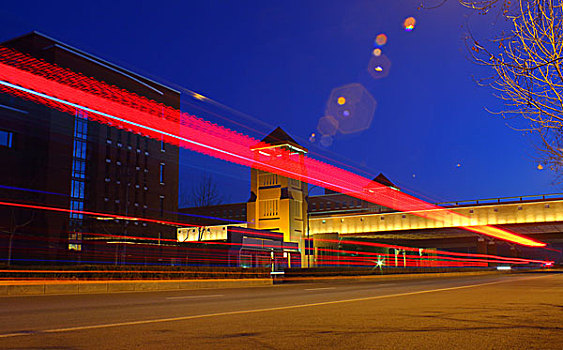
pixel 25 289
pixel 39 287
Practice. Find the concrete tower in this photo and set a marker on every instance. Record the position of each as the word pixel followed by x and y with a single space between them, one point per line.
pixel 278 203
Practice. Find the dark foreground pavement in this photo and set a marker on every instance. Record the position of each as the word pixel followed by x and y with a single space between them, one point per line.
pixel 482 312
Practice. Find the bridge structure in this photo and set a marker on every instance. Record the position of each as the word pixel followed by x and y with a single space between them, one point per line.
pixel 538 217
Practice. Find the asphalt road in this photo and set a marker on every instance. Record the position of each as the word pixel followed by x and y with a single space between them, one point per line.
pixel 486 312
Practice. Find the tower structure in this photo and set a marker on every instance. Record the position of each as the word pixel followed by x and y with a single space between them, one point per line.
pixel 278 203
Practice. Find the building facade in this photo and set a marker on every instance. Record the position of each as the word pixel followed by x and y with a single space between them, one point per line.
pixel 60 160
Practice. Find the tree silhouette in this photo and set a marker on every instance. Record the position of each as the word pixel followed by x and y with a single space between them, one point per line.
pixel 205 193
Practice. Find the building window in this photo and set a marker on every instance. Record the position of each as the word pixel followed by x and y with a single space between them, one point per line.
pixel 162 173
pixel 79 168
pixel 162 145
pixel 81 127
pixel 78 173
pixel 268 208
pixel 161 206
pixel 6 138
pixel 79 149
pixel 267 179
pixel 77 190
pixel 76 206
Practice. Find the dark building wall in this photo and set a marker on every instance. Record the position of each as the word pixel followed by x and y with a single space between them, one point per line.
pixel 122 169
pixel 35 171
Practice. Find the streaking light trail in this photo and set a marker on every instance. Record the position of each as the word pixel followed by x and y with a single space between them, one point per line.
pixel 66 91
pixel 95 214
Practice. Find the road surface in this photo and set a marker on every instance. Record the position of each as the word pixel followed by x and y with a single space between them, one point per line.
pixel 517 311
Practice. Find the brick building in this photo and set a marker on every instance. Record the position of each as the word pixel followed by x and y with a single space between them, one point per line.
pixel 55 159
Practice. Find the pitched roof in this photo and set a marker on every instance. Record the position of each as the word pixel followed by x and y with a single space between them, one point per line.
pixel 382 179
pixel 280 137
pixel 43 42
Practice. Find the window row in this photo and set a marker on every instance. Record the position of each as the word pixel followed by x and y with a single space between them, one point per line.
pixel 6 138
pixel 77 189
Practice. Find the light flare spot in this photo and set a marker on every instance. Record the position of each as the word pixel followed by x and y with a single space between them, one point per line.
pixel 409 24
pixel 381 39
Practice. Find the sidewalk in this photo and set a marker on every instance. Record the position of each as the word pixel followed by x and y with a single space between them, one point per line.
pixel 59 287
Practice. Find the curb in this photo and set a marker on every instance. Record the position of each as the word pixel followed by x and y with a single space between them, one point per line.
pixel 372 278
pixel 61 287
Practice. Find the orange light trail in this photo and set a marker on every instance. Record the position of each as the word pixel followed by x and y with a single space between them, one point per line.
pixel 67 91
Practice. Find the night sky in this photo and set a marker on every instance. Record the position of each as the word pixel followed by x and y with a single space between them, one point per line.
pixel 264 64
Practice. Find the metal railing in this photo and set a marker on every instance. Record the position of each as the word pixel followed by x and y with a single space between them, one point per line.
pixel 551 196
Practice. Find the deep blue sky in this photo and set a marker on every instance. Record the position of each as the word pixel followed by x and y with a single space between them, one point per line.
pixel 277 61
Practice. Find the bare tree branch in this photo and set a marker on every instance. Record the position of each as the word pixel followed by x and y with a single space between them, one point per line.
pixel 526 64
pixel 528 73
pixel 205 193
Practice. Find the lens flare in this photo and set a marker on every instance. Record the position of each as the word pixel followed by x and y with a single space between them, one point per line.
pixel 381 39
pixel 379 66
pixel 409 24
pixel 326 141
pixel 357 114
pixel 376 52
pixel 328 125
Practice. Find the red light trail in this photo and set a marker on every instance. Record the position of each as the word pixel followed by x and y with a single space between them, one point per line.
pixel 105 215
pixel 212 253
pixel 67 91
